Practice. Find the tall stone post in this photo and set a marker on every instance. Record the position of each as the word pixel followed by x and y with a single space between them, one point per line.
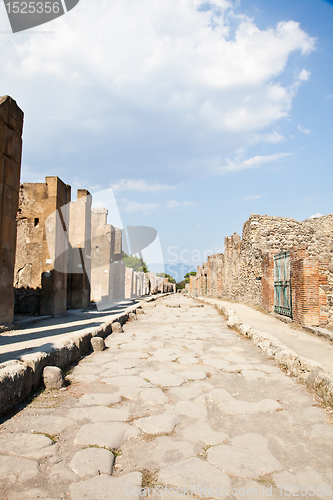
pixel 79 258
pixel 11 124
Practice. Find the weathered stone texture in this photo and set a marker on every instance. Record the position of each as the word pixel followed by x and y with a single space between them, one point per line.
pixel 102 256
pixel 246 270
pixel 11 124
pixel 41 264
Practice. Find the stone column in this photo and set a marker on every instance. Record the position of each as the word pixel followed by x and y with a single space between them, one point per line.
pixel 79 259
pixel 11 124
pixel 41 262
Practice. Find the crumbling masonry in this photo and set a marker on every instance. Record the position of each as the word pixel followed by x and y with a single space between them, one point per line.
pixel 247 271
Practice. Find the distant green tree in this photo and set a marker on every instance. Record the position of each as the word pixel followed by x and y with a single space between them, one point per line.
pixel 134 262
pixel 188 275
pixel 164 275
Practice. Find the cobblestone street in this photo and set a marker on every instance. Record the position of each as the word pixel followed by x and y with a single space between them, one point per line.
pixel 177 404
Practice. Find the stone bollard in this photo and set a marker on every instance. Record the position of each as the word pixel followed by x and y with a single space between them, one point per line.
pixel 139 311
pixel 53 377
pixel 97 344
pixel 132 316
pixel 116 327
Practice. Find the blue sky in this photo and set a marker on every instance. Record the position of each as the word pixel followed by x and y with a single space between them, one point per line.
pixel 197 114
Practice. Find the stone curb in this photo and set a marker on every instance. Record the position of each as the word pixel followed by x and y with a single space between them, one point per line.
pixel 307 370
pixel 21 376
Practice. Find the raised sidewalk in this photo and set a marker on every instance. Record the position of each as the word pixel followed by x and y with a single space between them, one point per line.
pixel 60 341
pixel 303 354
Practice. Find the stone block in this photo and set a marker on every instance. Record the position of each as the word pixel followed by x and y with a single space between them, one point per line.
pixel 97 344
pixel 53 377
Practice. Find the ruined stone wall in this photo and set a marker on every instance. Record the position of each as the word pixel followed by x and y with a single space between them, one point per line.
pixel 246 271
pixel 215 265
pixel 119 267
pixel 41 263
pixel 11 124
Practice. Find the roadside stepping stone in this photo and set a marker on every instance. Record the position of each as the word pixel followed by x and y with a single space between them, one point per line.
pixel 158 424
pixel 16 469
pixel 23 444
pixel 197 477
pixel 238 407
pixel 100 399
pixel 186 393
pixel 162 378
pixel 220 396
pixel 242 462
pixel 191 409
pixel 99 414
pixel 154 395
pixel 106 434
pixel 204 433
pixel 126 381
pixel 92 461
pixel 108 488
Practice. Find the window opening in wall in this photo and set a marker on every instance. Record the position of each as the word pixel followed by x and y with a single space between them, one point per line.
pixel 36 222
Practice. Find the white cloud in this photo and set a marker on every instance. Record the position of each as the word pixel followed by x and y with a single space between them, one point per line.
pixel 134 206
pixel 273 137
pixel 140 185
pixel 315 216
pixel 253 197
pixel 148 207
pixel 305 131
pixel 145 74
pixel 239 164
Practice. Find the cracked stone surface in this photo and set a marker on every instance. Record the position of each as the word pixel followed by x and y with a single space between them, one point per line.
pixel 158 424
pixel 100 399
pixel 103 434
pixel 176 400
pixel 197 477
pixel 92 461
pixel 242 461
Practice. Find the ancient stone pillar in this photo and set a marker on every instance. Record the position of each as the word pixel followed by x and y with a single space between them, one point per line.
pixel 11 124
pixel 79 258
pixel 41 263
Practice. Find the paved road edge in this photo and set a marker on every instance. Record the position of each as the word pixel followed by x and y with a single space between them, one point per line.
pixel 307 370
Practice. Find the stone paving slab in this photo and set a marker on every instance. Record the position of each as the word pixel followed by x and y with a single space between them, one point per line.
pixel 199 425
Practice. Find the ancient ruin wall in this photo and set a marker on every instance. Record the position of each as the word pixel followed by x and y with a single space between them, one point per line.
pixel 39 287
pixel 246 270
pixel 11 124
